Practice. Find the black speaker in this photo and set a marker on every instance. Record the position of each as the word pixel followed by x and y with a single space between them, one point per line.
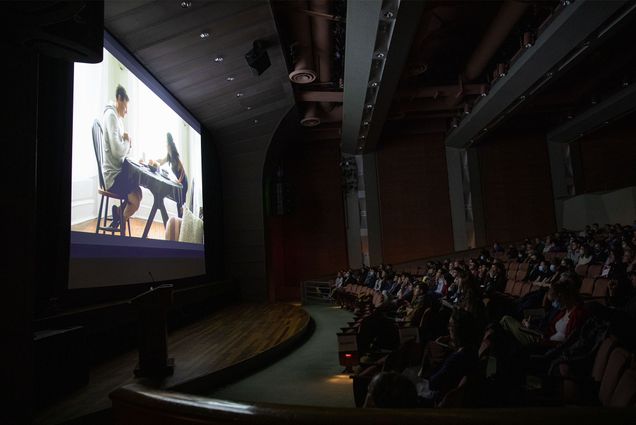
pixel 257 58
pixel 70 30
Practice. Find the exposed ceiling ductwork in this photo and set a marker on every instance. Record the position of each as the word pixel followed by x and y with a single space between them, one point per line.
pixel 298 21
pixel 508 15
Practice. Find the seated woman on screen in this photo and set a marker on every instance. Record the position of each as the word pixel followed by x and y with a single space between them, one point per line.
pixel 172 157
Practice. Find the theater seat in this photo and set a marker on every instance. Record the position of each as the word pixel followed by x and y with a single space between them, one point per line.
pixel 619 361
pixel 625 393
pixel 587 286
pixel 594 270
pixel 455 397
pixel 581 270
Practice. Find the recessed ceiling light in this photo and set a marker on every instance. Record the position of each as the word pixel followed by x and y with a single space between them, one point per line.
pixel 523 97
pixel 379 55
pixel 373 84
pixel 230 78
pixel 369 106
pixel 363 137
pixel 255 121
pixel 218 59
pixel 204 34
pixel 185 4
pixel 249 108
pixel 239 94
pixel 388 14
pixel 365 123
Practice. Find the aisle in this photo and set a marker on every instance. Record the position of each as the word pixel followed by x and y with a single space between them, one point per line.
pixel 309 375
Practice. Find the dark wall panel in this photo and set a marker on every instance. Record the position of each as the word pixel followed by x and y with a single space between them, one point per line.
pixel 517 186
pixel 608 157
pixel 314 241
pixel 414 202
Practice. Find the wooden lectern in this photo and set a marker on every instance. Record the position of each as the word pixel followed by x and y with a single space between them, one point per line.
pixel 151 307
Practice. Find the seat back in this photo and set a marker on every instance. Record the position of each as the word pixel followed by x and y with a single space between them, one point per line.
pixel 455 397
pixel 601 287
pixel 581 270
pixel 98 146
pixel 594 270
pixel 523 266
pixel 625 394
pixel 521 274
pixel 509 285
pixel 587 286
pixel 618 362
pixel 602 356
pixel 516 289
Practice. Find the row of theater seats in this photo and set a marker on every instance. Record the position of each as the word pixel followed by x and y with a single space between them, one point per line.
pixel 593 286
pixel 612 382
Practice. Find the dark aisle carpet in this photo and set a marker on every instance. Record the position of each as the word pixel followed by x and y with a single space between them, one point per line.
pixel 310 375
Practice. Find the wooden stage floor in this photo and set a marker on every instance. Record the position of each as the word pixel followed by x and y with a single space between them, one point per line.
pixel 225 342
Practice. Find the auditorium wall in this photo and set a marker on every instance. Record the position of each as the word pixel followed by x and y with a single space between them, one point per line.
pixel 414 202
pixel 308 241
pixel 608 157
pixel 516 185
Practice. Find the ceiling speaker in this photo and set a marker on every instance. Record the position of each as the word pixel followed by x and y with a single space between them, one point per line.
pixel 257 58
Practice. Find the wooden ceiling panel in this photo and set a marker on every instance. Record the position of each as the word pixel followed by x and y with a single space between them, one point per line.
pixel 165 20
pixel 222 35
pixel 166 39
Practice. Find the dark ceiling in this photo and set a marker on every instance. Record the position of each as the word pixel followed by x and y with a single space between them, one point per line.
pixel 166 38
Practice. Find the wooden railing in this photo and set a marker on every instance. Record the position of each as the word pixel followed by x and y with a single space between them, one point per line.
pixel 135 404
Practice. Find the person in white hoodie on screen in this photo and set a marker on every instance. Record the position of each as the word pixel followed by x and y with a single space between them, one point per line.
pixel 117 146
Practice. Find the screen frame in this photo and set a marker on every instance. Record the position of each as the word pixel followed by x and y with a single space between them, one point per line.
pixel 54 295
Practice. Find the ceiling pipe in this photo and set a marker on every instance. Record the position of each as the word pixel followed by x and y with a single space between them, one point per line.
pixel 311 118
pixel 316 115
pixel 322 44
pixel 304 69
pixel 507 17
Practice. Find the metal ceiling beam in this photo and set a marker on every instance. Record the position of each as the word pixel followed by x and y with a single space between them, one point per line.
pixel 362 39
pixel 569 29
pixel 613 107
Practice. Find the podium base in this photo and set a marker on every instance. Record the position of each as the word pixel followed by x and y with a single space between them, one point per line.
pixel 157 371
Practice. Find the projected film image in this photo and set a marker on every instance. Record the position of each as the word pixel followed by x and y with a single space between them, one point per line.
pixel 136 182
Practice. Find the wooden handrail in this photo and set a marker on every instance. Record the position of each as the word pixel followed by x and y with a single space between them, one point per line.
pixel 136 404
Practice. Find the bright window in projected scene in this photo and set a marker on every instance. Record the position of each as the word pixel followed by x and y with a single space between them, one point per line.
pixel 142 147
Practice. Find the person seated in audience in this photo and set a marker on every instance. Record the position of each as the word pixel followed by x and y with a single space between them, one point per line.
pixel 585 256
pixel 613 266
pixel 391 390
pixel 549 245
pixel 337 284
pixel 511 252
pixel 495 280
pixel 462 360
pixel 497 247
pixel 568 319
pixel 539 271
pixel 573 252
pixel 369 281
pixel 440 284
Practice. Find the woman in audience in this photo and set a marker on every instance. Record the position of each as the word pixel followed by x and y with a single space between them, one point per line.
pixel 463 341
pixel 569 318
